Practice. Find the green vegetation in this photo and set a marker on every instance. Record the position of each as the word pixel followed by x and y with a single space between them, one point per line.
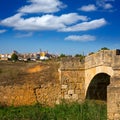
pixel 79 55
pixel 91 53
pixel 14 57
pixel 62 55
pixel 82 57
pixel 104 48
pixel 89 110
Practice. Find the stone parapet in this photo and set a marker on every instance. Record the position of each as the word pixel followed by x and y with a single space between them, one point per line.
pixel 71 63
pixel 103 57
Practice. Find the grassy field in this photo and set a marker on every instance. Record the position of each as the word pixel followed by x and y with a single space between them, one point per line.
pixel 21 72
pixel 89 110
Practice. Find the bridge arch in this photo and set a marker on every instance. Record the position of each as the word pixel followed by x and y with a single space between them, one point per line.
pixel 90 73
pixel 97 88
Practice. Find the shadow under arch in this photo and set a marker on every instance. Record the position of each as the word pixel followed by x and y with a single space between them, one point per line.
pixel 97 89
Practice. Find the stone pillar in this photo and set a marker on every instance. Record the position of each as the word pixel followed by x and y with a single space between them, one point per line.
pixel 113 99
pixel 113 91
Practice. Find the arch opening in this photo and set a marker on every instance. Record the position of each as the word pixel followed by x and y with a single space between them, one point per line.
pixel 97 89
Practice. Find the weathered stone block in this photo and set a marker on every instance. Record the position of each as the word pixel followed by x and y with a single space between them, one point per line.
pixel 65 79
pixel 71 92
pixel 77 91
pixel 71 86
pixel 75 97
pixel 79 86
pixel 64 86
pixel 66 97
pixel 81 79
pixel 117 116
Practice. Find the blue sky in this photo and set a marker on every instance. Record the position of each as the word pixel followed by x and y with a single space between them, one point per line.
pixel 59 26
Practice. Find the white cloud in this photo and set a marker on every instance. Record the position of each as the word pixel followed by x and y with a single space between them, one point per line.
pixel 82 38
pixel 88 8
pixel 20 35
pixel 100 4
pixel 44 6
pixel 84 26
pixel 105 4
pixel 11 21
pixel 45 22
pixel 71 18
pixel 2 31
pixel 108 6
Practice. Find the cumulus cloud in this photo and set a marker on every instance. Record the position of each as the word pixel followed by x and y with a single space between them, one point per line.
pixel 105 4
pixel 70 22
pixel 2 31
pixel 100 4
pixel 84 26
pixel 82 38
pixel 45 22
pixel 44 6
pixel 88 8
pixel 108 6
pixel 11 21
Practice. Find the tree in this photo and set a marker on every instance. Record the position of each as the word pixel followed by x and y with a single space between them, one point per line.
pixel 14 57
pixel 82 57
pixel 91 53
pixel 105 48
pixel 78 55
pixel 62 55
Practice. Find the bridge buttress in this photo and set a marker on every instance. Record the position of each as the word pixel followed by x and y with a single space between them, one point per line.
pixel 113 91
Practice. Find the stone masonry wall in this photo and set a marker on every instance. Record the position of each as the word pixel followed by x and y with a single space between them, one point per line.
pixel 104 57
pixel 113 102
pixel 113 91
pixel 29 94
pixel 72 85
pixel 17 95
pixel 72 79
pixel 48 94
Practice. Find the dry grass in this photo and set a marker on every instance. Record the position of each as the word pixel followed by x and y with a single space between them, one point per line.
pixel 31 72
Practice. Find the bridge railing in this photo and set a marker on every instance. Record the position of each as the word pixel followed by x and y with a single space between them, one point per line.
pixel 71 63
pixel 103 57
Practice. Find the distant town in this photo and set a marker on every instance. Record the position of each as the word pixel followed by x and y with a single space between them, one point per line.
pixel 41 55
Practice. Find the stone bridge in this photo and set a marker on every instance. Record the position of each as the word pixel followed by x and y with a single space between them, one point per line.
pixel 96 77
